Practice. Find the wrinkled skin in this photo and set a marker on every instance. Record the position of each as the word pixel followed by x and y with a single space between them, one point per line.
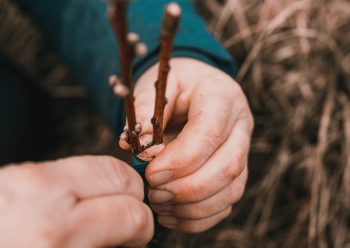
pixel 203 170
pixel 71 203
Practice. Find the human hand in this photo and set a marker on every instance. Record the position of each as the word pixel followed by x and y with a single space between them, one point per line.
pixel 203 169
pixel 75 202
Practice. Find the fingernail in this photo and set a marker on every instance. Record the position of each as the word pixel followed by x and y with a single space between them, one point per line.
pixel 162 208
pixel 161 177
pixel 160 196
pixel 167 221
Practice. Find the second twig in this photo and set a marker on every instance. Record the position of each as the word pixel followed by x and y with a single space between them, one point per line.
pixel 170 24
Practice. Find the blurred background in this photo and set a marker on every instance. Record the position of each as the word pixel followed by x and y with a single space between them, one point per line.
pixel 294 61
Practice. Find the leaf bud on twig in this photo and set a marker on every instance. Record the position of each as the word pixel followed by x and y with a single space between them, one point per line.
pixel 113 80
pixel 138 128
pixel 119 89
pixel 125 137
pixel 141 49
pixel 133 38
pixel 170 24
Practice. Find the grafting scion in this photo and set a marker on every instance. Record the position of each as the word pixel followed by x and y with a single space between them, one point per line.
pixel 170 24
pixel 127 50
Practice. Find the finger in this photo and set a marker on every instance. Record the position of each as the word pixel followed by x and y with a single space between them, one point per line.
pixel 212 115
pixel 226 164
pixel 120 220
pixel 209 207
pixel 92 176
pixel 145 101
pixel 193 226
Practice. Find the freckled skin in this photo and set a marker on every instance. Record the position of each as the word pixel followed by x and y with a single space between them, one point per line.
pixel 208 126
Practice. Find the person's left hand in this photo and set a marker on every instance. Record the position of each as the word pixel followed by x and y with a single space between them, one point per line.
pixel 203 169
pixel 82 201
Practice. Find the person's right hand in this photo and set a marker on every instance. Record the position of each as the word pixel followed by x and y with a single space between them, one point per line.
pixel 75 202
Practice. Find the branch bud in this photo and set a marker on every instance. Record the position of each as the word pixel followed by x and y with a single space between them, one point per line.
pixel 165 101
pixel 171 20
pixel 113 80
pixel 125 137
pixel 141 49
pixel 138 128
pixel 119 89
pixel 133 38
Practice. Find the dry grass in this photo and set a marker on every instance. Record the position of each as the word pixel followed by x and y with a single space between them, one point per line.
pixel 295 70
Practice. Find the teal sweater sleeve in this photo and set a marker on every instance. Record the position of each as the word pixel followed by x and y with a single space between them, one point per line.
pixel 80 33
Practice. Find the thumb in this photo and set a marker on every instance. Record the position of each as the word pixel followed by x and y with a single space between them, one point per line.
pixel 145 94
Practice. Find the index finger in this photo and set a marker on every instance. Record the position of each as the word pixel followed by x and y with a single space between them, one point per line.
pixel 95 176
pixel 120 220
pixel 212 113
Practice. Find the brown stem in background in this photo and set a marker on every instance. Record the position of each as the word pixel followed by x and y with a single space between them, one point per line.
pixel 168 30
pixel 117 16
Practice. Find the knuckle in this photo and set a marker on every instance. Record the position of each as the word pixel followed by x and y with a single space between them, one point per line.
pixel 32 175
pixel 120 177
pixel 235 164
pixel 102 211
pixel 139 215
pixel 199 226
pixel 191 211
pixel 197 193
pixel 49 238
pixel 235 192
pixel 226 213
pixel 197 229
pixel 240 187
pixel 116 173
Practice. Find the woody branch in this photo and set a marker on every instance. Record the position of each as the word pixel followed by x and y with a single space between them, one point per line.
pixel 168 30
pixel 127 44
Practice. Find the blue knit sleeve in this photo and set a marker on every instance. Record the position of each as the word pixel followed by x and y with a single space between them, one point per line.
pixel 80 33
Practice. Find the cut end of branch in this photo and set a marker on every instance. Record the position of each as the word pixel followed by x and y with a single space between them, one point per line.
pixel 174 9
pixel 150 153
pixel 171 21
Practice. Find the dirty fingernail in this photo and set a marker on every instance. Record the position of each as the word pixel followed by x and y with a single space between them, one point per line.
pixel 161 177
pixel 167 221
pixel 160 196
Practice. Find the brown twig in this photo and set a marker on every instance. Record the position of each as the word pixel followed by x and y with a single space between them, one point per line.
pixel 168 30
pixel 117 17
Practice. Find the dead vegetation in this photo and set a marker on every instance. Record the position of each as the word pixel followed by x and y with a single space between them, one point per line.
pixel 295 70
